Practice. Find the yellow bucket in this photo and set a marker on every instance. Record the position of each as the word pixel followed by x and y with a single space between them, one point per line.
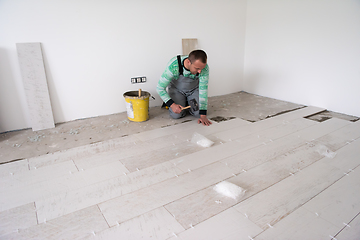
pixel 137 107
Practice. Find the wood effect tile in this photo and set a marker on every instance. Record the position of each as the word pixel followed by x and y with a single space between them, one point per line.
pixel 77 225
pixel 352 232
pixel 286 128
pixel 166 131
pixel 223 151
pixel 102 158
pixel 239 132
pixel 222 126
pixel 307 154
pixel 271 149
pixel 299 225
pixel 298 158
pixel 289 194
pixel 260 126
pixel 208 156
pixel 189 45
pixel 262 153
pixel 17 218
pixel 27 178
pixel 12 168
pixel 154 196
pixel 341 137
pixel 158 156
pixel 20 195
pixel 99 159
pixel 142 155
pixel 169 140
pixel 35 85
pixel 347 157
pixel 322 129
pixel 136 155
pixel 339 203
pixel 204 204
pixel 82 151
pixel 227 225
pixel 231 152
pixel 156 224
pixel 197 207
pixel 183 132
pixel 71 201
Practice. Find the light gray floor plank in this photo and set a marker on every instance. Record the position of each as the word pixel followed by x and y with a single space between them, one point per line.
pixel 156 224
pixel 165 131
pixel 272 132
pixel 300 225
pixel 266 124
pixel 14 168
pixel 341 137
pixel 352 231
pixel 73 226
pixel 17 218
pixel 35 85
pixel 199 206
pixel 267 170
pixel 222 126
pixel 232 149
pixel 128 148
pixel 83 151
pixel 158 156
pixel 347 158
pixel 289 194
pixel 220 152
pixel 38 175
pixel 287 143
pixel 210 155
pixel 228 225
pixel 262 153
pixel 71 201
pixel 20 195
pixel 340 202
pixel 287 127
pixel 322 129
pixel 144 200
pixel 99 159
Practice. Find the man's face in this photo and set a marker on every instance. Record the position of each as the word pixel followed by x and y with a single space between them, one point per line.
pixel 196 67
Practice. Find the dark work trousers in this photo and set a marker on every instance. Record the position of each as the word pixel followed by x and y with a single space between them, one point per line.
pixel 181 91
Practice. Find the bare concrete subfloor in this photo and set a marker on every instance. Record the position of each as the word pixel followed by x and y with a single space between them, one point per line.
pixel 24 144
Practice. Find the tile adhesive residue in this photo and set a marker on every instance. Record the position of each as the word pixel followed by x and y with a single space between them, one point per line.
pixel 201 140
pixel 230 190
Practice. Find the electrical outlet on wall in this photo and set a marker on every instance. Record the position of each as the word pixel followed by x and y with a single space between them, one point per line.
pixel 138 79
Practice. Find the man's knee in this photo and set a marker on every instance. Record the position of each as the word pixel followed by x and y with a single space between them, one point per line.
pixel 177 115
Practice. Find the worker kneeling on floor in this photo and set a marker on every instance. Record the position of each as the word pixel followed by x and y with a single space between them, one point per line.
pixel 187 80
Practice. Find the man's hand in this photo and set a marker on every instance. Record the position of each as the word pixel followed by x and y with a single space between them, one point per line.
pixel 203 119
pixel 176 108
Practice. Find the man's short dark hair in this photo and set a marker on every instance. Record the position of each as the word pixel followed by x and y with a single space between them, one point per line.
pixel 198 55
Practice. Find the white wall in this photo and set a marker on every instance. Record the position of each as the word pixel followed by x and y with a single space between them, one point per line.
pixel 93 48
pixel 305 51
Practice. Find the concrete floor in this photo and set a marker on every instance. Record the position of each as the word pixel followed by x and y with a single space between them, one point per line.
pixel 23 144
